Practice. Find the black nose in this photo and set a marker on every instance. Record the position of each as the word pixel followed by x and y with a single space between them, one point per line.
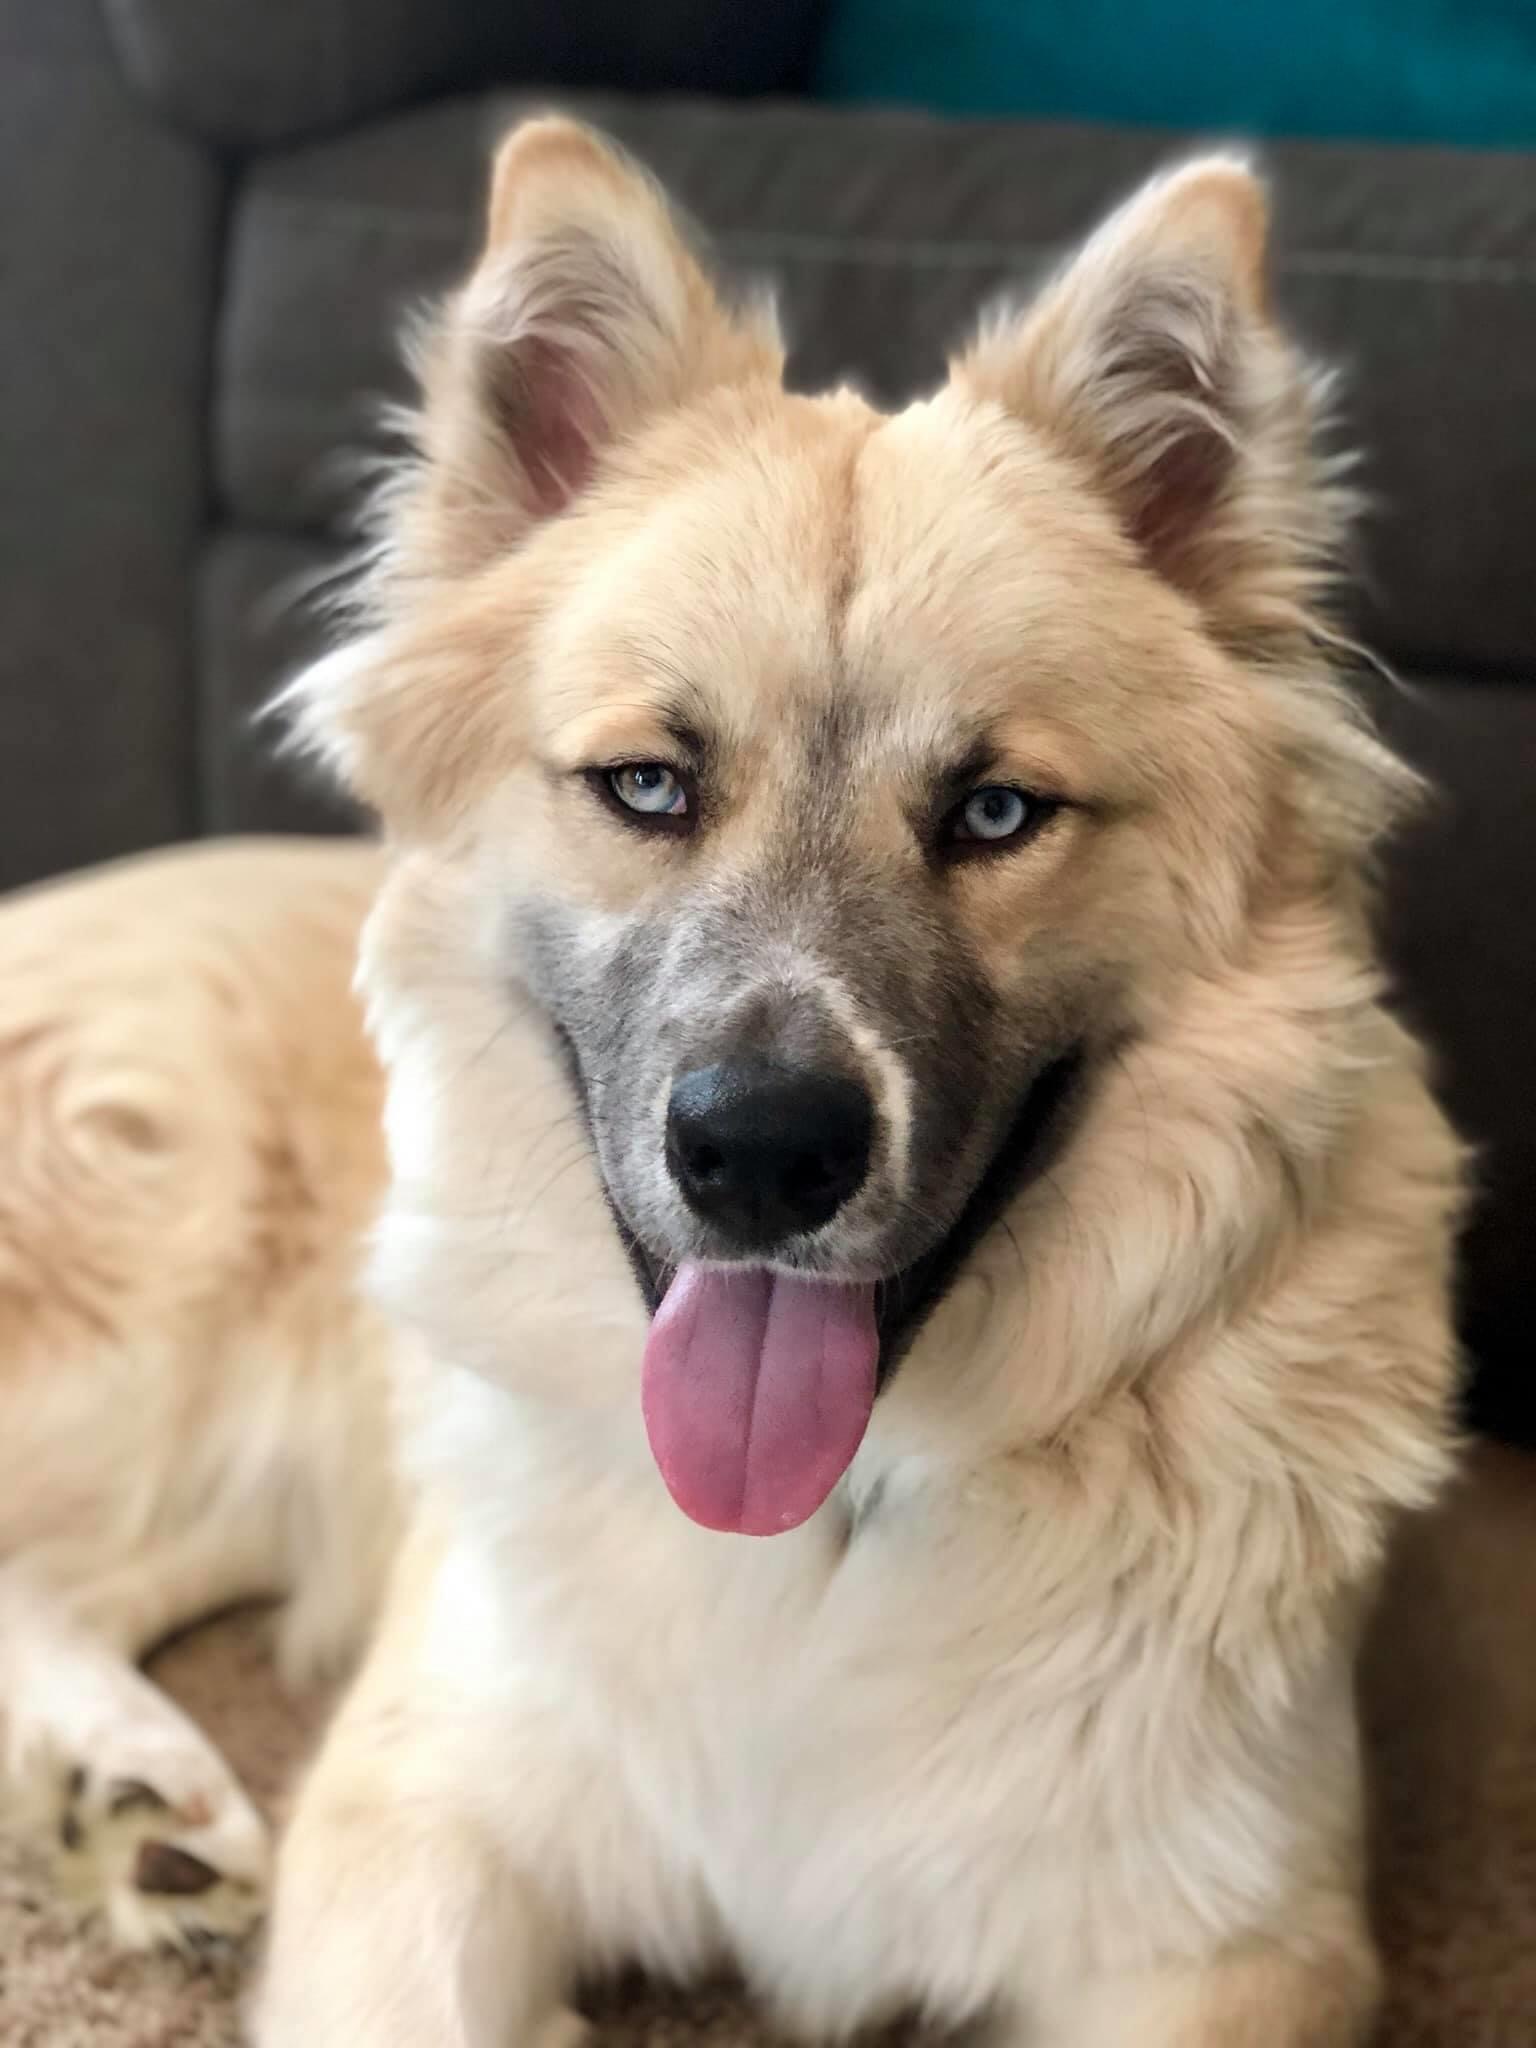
pixel 765 1152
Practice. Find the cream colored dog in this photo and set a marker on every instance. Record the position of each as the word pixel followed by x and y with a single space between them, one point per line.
pixel 920 1262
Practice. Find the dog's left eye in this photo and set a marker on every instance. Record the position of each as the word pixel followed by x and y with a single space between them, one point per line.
pixel 992 814
pixel 650 789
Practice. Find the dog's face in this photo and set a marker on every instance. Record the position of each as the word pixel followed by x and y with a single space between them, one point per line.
pixel 844 788
pixel 816 873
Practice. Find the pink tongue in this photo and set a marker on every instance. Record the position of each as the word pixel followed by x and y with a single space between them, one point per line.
pixel 757 1392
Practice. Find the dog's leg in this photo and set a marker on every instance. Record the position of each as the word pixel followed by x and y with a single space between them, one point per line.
pixel 435 1879
pixel 396 1926
pixel 145 1819
pixel 1306 1994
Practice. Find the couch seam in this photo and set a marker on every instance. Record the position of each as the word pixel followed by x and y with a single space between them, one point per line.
pixel 972 254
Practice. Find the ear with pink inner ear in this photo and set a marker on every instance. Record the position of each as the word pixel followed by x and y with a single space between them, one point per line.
pixel 1152 361
pixel 586 316
pixel 586 319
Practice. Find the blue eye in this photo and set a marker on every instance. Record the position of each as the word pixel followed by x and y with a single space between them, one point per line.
pixel 992 813
pixel 650 789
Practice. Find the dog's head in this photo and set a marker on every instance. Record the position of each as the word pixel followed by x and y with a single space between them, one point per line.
pixel 845 788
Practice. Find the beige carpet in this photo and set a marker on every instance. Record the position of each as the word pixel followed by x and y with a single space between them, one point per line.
pixel 1451 1717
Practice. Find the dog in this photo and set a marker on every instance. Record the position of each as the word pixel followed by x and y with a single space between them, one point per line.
pixel 913 1281
pixel 886 1059
pixel 194 1404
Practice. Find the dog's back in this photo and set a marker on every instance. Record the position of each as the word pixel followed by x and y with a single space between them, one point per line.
pixel 188 1112
pixel 192 1406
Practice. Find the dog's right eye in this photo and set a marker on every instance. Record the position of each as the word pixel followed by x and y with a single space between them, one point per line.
pixel 650 788
pixel 994 817
pixel 648 793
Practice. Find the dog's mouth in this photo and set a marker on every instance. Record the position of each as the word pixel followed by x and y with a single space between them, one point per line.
pixel 758 1384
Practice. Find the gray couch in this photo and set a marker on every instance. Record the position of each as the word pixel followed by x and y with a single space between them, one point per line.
pixel 216 213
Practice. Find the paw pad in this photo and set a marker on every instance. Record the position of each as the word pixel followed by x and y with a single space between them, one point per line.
pixel 162 1870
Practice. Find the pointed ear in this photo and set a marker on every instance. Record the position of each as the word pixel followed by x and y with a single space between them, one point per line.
pixel 586 316
pixel 1152 361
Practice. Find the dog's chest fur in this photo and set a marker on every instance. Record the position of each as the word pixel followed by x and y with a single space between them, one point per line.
pixel 1023 1715
pixel 934 1749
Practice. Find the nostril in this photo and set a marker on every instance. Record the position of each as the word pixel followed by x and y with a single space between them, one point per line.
pixel 809 1174
pixel 703 1160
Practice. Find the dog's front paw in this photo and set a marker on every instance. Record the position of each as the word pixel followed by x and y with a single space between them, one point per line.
pixel 167 1847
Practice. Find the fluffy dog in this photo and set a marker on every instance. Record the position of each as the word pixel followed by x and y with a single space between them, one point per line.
pixel 882 1033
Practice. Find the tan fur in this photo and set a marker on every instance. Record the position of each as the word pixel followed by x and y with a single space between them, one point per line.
pixel 193 1396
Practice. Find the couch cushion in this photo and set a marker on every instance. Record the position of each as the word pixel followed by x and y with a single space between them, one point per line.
pixel 256 72
pixel 1416 269
pixel 109 252
pixel 259 618
pixel 1461 942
